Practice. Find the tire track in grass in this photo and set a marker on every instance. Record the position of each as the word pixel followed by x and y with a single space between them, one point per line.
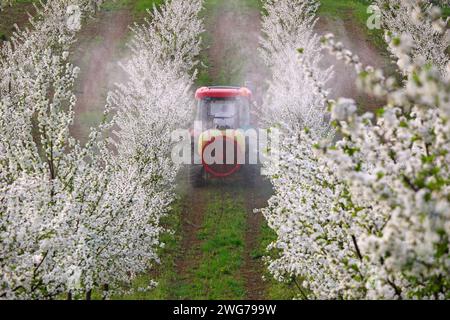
pixel 218 230
pixel 192 217
pixel 256 197
pixel 204 256
pixel 219 249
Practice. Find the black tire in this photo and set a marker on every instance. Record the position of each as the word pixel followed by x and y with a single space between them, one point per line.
pixel 197 176
pixel 250 173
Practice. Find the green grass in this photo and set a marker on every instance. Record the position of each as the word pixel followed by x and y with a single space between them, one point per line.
pixel 24 2
pixel 216 276
pixel 90 119
pixel 446 11
pixel 335 8
pixel 115 5
pixel 210 5
pixel 137 6
pixel 355 10
pixel 143 5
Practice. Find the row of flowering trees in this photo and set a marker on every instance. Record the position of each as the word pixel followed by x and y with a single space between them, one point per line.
pixel 367 214
pixel 78 217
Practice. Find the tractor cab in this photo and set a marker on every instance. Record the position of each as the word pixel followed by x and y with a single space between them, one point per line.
pixel 223 108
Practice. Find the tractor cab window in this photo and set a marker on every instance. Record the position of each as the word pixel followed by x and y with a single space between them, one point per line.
pixel 224 113
pixel 218 113
pixel 222 108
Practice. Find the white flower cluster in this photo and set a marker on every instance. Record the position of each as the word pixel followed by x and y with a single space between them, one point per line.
pixel 74 218
pixel 368 216
pixel 73 13
pixel 422 23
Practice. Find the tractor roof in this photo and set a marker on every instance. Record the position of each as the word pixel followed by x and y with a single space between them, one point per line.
pixel 222 92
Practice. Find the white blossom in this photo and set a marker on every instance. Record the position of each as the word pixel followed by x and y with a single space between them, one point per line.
pixel 73 13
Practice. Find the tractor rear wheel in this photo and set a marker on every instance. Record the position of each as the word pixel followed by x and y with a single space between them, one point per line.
pixel 197 176
pixel 250 173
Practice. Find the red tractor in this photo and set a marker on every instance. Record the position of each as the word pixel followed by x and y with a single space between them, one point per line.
pixel 220 145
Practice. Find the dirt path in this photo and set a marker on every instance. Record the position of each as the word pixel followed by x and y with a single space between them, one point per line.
pixel 349 32
pixel 97 52
pixel 192 218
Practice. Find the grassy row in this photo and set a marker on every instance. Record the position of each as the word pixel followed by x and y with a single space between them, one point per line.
pixel 136 6
pixel 216 275
pixel 274 289
pixel 215 261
